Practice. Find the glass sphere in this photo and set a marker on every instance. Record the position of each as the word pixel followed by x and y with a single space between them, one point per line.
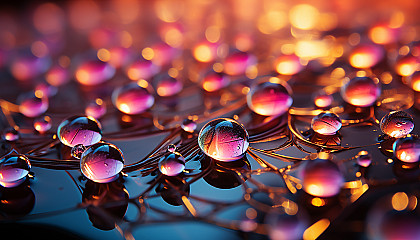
pixel 171 148
pixel 238 63
pixel 214 81
pixel 10 134
pixel 407 65
pixel 94 72
pixel 172 164
pixel 57 76
pixel 361 91
pixel 326 123
pixel 364 159
pixel 96 109
pixel 42 124
pixel 323 100
pixel 78 150
pixel 366 55
pixel 132 99
pixel 102 162
pixel 189 125
pixel 270 99
pixel 414 81
pixel 142 69
pixel 79 130
pixel 407 149
pixel 282 226
pixel 168 86
pixel 397 124
pixel 13 170
pixel 33 104
pixel 321 178
pixel 288 64
pixel 223 139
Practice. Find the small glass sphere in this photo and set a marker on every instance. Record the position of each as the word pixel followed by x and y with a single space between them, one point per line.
pixel 42 124
pixel 96 109
pixel 33 104
pixel 326 123
pixel 168 86
pixel 321 178
pixel 171 148
pixel 323 100
pixel 282 226
pixel 57 76
pixel 364 159
pixel 142 69
pixel 288 64
pixel 366 55
pixel 414 81
pixel 94 72
pixel 189 125
pixel 360 91
pixel 132 99
pixel 29 66
pixel 407 149
pixel 78 150
pixel 223 139
pixel 214 81
pixel 407 65
pixel 13 170
pixel 10 134
pixel 238 63
pixel 270 99
pixel 79 130
pixel 397 124
pixel 172 164
pixel 102 162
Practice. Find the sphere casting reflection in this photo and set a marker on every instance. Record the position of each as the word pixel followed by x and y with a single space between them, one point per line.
pixel 79 130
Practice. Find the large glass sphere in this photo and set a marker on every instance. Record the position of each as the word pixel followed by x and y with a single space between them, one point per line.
pixel 223 139
pixel 326 123
pixel 13 170
pixel 79 130
pixel 132 99
pixel 102 162
pixel 269 98
pixel 397 124
pixel 361 91
pixel 407 149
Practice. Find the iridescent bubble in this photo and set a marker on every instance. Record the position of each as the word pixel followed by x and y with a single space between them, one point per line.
pixel 28 67
pixel 288 64
pixel 366 55
pixel 42 124
pixel 223 139
pixel 414 81
pixel 326 123
pixel 13 170
pixel 407 65
pixel 321 178
pixel 364 159
pixel 213 81
pixel 102 162
pixel 172 164
pixel 10 134
pixel 132 99
pixel 397 124
pixel 94 72
pixel 142 69
pixel 360 91
pixel 78 150
pixel 79 130
pixel 270 99
pixel 57 76
pixel 96 109
pixel 189 125
pixel 168 86
pixel 323 100
pixel 407 149
pixel 32 104
pixel 238 63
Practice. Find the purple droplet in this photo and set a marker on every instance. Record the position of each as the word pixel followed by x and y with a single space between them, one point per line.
pixel 132 99
pixel 172 164
pixel 79 130
pixel 326 123
pixel 13 170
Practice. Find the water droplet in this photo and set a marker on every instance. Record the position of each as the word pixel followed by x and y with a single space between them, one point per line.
pixel 406 65
pixel 94 72
pixel 96 109
pixel 171 148
pixel 10 134
pixel 78 150
pixel 321 178
pixel 360 91
pixel 142 69
pixel 270 99
pixel 32 104
pixel 57 76
pixel 397 124
pixel 213 81
pixel 364 159
pixel 13 170
pixel 132 99
pixel 102 162
pixel 220 138
pixel 42 124
pixel 323 100
pixel 189 125
pixel 282 226
pixel 79 130
pixel 288 64
pixel 407 149
pixel 167 86
pixel 238 63
pixel 414 80
pixel 366 55
pixel 326 123
pixel 172 164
